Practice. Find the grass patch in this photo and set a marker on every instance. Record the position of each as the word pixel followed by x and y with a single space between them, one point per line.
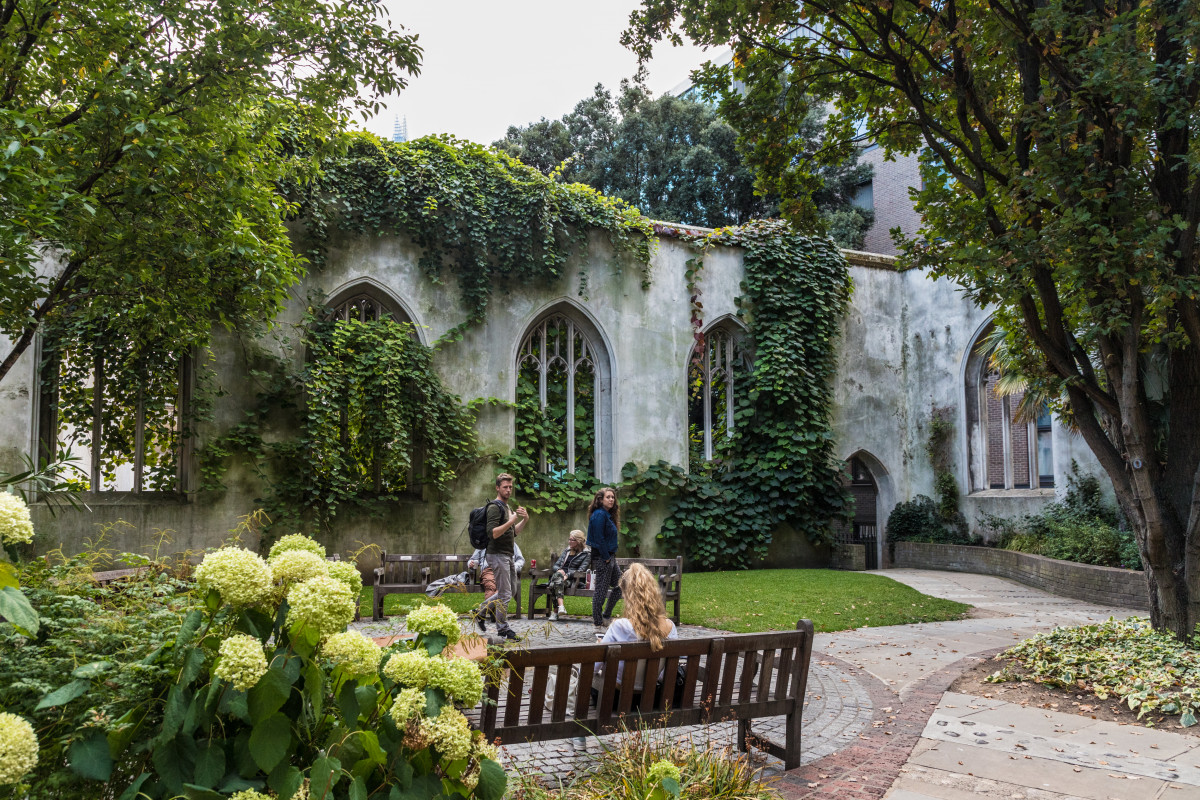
pixel 763 600
pixel 1148 670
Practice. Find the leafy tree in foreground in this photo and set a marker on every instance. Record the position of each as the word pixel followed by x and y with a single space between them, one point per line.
pixel 677 160
pixel 1060 187
pixel 141 144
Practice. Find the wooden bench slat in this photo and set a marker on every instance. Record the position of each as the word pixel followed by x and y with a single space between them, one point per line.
pixel 537 695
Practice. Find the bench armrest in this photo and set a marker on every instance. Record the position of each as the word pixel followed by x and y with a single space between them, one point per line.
pixel 378 574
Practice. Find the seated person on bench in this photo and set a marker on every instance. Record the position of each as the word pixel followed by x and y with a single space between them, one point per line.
pixel 644 618
pixel 575 558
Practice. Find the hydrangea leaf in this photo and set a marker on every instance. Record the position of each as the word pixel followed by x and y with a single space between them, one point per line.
pixel 15 607
pixel 89 756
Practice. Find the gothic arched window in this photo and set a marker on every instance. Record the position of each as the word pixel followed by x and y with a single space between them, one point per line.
pixel 562 397
pixel 715 370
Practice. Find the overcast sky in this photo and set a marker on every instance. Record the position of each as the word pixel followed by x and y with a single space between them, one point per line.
pixel 488 65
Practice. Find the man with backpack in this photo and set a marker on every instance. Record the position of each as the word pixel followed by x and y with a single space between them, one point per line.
pixel 501 528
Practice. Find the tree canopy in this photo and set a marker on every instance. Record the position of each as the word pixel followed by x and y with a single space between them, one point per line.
pixel 1060 187
pixel 676 159
pixel 142 145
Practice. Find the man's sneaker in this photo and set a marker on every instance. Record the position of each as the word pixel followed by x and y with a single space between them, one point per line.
pixel 554 616
pixel 562 609
pixel 509 634
pixel 479 621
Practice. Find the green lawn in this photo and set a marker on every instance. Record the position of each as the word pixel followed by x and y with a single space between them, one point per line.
pixel 763 600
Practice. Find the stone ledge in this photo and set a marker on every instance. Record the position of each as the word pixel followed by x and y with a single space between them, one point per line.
pixel 1106 586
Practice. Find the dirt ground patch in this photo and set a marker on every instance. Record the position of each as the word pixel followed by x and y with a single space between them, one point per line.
pixel 1085 704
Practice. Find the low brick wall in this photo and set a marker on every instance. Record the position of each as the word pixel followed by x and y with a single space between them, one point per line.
pixel 1106 586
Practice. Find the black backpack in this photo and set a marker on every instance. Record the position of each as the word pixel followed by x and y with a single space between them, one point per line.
pixel 477 525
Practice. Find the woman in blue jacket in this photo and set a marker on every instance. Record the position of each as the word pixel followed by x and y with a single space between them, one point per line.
pixel 604 515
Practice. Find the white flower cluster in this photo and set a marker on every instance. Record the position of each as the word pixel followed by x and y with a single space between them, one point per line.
pixel 409 669
pixel 434 619
pixel 449 732
pixel 409 704
pixel 296 541
pixel 240 576
pixel 18 748
pixel 16 526
pixel 357 655
pixel 241 661
pixel 347 572
pixel 459 678
pixel 250 794
pixel 323 604
pixel 296 566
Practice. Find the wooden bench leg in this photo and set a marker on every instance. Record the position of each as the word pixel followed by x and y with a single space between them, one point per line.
pixel 376 605
pixel 743 736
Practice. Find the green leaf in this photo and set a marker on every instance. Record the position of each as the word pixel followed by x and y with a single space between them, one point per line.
pixel 367 696
pixel 285 779
pixel 269 740
pixel 193 792
pixel 210 763
pixel 15 607
pixel 92 670
pixel 492 781
pixel 1187 719
pixel 358 790
pixel 89 756
pixel 63 695
pixel 8 576
pixel 434 643
pixel 175 762
pixel 191 624
pixel 268 695
pixel 434 700
pixel 348 704
pixel 314 681
pixel 324 775
pixel 131 791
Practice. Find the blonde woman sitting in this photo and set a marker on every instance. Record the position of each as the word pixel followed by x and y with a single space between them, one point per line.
pixel 644 619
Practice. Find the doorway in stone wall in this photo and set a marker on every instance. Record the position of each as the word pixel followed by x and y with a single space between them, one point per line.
pixel 865 530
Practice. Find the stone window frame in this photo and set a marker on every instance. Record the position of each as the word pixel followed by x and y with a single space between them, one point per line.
pixel 46 429
pixel 601 355
pixel 979 438
pixel 374 299
pixel 735 335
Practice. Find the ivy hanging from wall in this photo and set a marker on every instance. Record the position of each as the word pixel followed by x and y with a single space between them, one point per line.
pixel 778 466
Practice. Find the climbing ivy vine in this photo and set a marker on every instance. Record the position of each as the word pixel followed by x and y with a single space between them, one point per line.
pixel 778 467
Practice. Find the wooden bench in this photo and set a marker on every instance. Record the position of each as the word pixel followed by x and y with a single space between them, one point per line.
pixel 737 676
pixel 669 572
pixel 411 574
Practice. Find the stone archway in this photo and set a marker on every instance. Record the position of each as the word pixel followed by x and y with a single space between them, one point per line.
pixel 865 528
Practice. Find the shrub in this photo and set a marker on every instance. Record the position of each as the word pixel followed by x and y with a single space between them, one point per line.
pixel 177 694
pixel 921 520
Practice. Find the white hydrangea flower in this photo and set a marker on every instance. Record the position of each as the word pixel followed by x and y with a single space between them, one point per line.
pixel 296 566
pixel 347 572
pixel 357 655
pixel 18 748
pixel 242 577
pixel 250 794
pixel 323 604
pixel 435 619
pixel 449 732
pixel 296 541
pixel 459 678
pixel 16 526
pixel 409 669
pixel 241 661
pixel 409 704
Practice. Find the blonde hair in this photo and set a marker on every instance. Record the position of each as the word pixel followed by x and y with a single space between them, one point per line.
pixel 644 607
pixel 577 536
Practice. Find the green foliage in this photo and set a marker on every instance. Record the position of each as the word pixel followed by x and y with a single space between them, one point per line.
pixel 97 670
pixel 921 520
pixel 1082 527
pixel 677 160
pixel 480 217
pixel 146 166
pixel 778 466
pixel 938 447
pixel 633 769
pixel 1058 152
pixel 372 402
pixel 1149 671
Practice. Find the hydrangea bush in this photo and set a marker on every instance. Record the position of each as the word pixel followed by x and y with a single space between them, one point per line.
pixel 16 526
pixel 265 695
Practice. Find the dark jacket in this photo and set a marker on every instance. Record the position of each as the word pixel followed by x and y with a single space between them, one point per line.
pixel 602 535
pixel 572 563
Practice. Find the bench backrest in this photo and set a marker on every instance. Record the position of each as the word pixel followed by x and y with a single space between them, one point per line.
pixel 735 676
pixel 667 570
pixel 405 569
